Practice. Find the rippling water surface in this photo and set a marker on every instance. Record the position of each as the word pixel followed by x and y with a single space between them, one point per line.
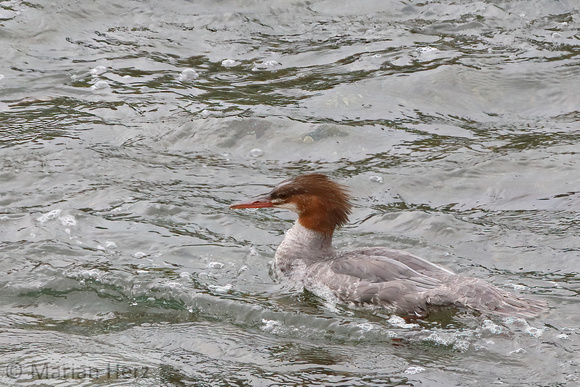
pixel 128 127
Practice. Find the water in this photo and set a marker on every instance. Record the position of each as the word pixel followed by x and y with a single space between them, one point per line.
pixel 129 127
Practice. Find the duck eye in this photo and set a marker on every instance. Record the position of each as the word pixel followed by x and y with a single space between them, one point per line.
pixel 280 196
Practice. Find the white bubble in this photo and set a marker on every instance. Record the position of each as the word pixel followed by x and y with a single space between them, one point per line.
pixel 91 274
pixel 98 70
pixel 376 179
pixel 517 351
pixel 256 152
pixel 266 64
pixel 271 63
pixel 188 75
pixel 100 85
pixel 426 49
pixel 215 265
pixel 230 63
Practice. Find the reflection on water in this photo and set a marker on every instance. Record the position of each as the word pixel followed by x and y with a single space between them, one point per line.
pixel 128 129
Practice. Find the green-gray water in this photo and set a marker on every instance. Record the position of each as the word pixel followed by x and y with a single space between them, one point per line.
pixel 128 127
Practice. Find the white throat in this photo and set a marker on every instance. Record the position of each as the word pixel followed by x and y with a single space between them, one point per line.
pixel 301 238
pixel 301 247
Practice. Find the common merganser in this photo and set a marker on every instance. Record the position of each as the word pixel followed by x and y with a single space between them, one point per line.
pixel 399 281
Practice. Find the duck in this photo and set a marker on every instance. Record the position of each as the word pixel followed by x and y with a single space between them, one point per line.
pixel 398 281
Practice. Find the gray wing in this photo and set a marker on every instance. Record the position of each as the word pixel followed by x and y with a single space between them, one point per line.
pixel 405 283
pixel 379 281
pixel 412 261
pixel 381 270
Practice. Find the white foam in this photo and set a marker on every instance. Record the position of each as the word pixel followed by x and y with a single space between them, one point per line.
pixel 515 321
pixel 68 220
pixel 91 274
pixel 533 331
pixel 48 216
pixel 173 285
pixel 271 325
pixel 517 351
pixel 423 50
pixel 221 289
pixel 461 346
pixel 366 327
pixel 271 63
pixel 530 330
pixel 400 322
pixel 414 370
pixel 492 327
pixel 571 378
pixel 455 340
